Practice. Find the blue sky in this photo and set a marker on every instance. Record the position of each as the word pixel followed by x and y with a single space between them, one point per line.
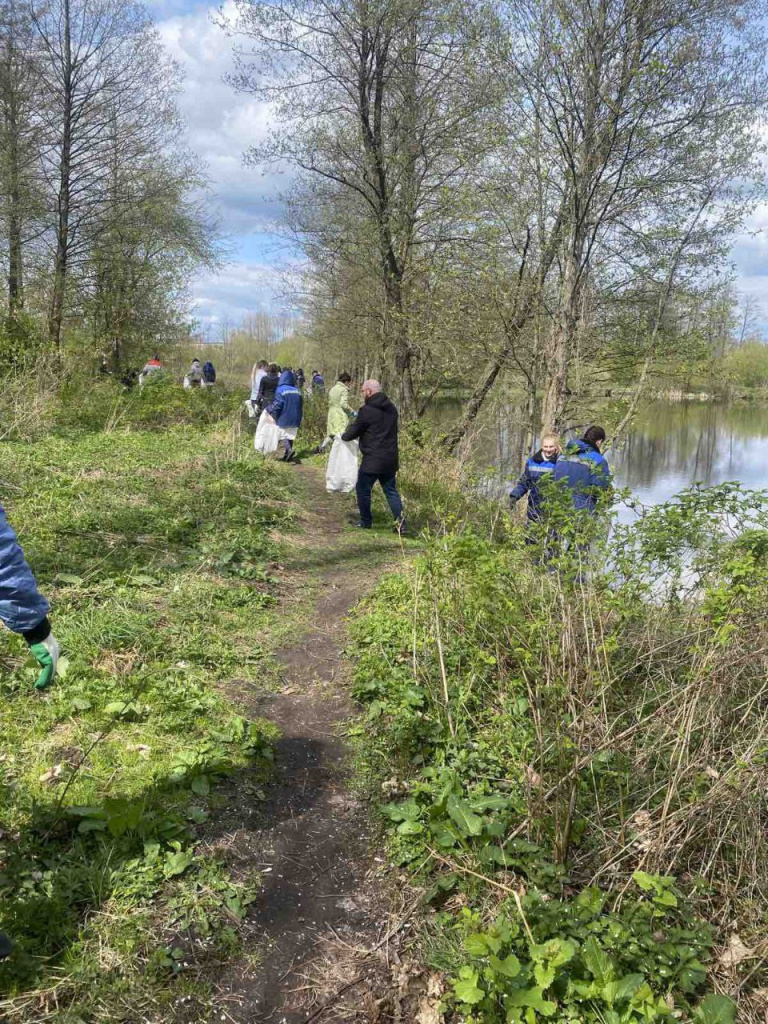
pixel 223 124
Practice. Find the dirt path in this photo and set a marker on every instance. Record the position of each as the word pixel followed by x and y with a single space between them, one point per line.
pixel 321 902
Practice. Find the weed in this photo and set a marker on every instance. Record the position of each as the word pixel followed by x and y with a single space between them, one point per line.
pixel 548 743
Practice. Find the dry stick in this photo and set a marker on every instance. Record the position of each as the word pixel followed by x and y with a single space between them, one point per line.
pixel 361 977
pixel 442 671
pixel 333 999
pixel 582 763
pixel 398 927
pixel 491 881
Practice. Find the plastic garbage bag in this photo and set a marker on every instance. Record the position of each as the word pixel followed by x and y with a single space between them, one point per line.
pixel 341 474
pixel 266 434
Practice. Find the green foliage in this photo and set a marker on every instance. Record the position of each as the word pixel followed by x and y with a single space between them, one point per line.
pixel 747 366
pixel 576 960
pixel 315 419
pixel 155 551
pixel 535 729
pixel 22 342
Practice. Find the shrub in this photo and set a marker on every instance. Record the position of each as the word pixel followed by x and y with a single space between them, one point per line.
pixel 747 366
pixel 548 734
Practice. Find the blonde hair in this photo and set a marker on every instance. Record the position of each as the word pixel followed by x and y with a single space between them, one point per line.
pixel 555 438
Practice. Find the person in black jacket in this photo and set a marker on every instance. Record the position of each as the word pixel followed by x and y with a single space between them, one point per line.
pixel 268 386
pixel 376 429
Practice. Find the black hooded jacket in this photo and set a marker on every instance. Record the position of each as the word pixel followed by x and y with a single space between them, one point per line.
pixel 267 389
pixel 376 428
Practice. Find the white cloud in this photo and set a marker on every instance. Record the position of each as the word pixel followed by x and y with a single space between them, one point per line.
pixel 222 125
pixel 241 287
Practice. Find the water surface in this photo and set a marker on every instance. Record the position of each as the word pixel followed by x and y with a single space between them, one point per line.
pixel 670 446
pixel 675 444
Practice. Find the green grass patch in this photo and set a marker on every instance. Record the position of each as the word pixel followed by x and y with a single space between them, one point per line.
pixel 157 550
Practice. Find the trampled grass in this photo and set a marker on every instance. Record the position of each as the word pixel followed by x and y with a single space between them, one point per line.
pixel 156 550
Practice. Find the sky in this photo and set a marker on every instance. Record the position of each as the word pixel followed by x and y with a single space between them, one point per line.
pixel 222 125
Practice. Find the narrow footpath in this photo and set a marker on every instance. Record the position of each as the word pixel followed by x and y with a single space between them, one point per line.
pixel 325 926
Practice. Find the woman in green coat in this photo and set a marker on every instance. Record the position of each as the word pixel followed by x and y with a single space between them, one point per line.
pixel 339 410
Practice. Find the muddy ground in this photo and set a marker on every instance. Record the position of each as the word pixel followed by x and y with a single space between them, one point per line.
pixel 329 928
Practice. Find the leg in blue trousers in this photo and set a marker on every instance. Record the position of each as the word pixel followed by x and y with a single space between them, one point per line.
pixel 389 486
pixel 363 488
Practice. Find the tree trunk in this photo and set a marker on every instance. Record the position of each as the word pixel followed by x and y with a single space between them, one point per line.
pixel 397 330
pixel 499 361
pixel 15 263
pixel 15 213
pixel 558 347
pixel 56 314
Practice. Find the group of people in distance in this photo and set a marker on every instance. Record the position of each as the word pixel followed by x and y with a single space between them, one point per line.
pixel 277 402
pixel 199 375
pixel 579 466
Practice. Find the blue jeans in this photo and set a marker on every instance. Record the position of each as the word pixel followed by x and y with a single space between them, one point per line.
pixel 365 482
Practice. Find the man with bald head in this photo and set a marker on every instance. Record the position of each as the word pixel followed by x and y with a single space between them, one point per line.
pixel 376 429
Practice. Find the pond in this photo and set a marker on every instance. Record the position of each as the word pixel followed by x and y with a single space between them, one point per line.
pixel 674 444
pixel 670 446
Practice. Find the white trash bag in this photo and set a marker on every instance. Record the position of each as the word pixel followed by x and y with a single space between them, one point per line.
pixel 250 408
pixel 341 474
pixel 266 434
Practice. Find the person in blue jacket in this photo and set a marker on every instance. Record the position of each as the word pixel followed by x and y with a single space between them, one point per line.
pixel 538 468
pixel 584 470
pixel 286 410
pixel 23 608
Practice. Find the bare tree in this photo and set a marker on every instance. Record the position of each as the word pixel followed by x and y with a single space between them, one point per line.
pixel 377 111
pixel 94 60
pixel 643 109
pixel 20 170
pixel 750 314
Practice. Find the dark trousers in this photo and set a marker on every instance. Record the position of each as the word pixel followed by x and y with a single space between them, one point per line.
pixel 365 482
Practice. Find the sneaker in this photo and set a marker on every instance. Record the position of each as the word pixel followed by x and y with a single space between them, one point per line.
pixel 400 527
pixel 364 526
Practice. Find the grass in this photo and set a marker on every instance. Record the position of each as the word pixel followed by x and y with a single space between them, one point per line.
pixel 157 551
pixel 575 769
pixel 176 562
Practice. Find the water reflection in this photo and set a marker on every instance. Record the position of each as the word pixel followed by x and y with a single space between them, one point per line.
pixel 675 444
pixel 670 446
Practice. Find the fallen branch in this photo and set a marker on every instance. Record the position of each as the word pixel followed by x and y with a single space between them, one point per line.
pixel 491 881
pixel 333 999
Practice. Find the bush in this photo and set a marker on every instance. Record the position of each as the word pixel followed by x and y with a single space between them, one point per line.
pixel 548 735
pixel 747 367
pixel 35 402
